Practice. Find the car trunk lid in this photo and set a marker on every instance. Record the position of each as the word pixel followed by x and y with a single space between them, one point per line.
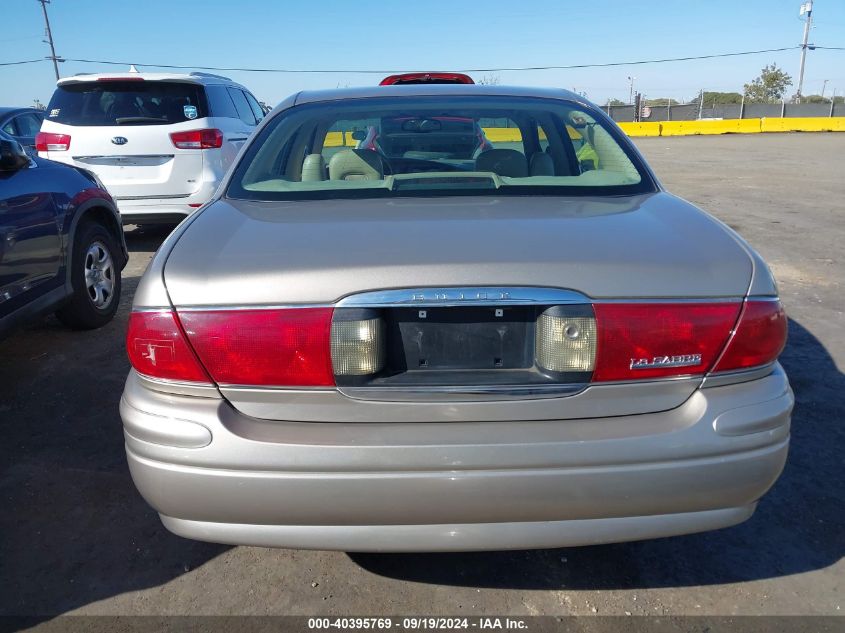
pixel 265 255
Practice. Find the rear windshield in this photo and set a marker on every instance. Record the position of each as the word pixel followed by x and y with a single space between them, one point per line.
pixel 423 146
pixel 127 103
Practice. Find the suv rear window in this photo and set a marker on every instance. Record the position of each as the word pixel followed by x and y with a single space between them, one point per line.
pixel 131 102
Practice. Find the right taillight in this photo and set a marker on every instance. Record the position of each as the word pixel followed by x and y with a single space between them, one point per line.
pixel 637 341
pixel 52 142
pixel 198 139
pixel 759 338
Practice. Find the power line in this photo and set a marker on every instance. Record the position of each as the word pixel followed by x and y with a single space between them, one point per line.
pixel 18 39
pixel 394 70
pixel 470 70
pixel 25 61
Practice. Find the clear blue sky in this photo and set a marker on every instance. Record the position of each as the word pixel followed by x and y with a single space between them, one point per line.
pixel 434 34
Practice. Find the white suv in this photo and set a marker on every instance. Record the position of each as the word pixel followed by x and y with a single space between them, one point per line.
pixel 160 142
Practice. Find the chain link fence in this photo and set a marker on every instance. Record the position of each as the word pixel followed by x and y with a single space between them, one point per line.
pixel 693 111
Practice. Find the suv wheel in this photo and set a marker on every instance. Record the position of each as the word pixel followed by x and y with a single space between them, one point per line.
pixel 95 277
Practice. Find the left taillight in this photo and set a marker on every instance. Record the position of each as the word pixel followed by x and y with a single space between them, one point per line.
pixel 287 347
pixel 197 139
pixel 157 347
pixel 51 142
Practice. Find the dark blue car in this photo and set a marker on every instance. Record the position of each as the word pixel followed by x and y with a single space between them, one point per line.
pixel 61 242
pixel 22 124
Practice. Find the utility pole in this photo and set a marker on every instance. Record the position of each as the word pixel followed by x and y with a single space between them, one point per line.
pixel 50 38
pixel 824 87
pixel 631 80
pixel 806 9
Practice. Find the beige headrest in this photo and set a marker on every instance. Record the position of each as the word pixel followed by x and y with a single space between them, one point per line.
pixel 313 168
pixel 356 164
pixel 505 162
pixel 541 164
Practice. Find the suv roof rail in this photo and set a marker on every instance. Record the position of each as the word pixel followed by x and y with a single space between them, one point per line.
pixel 199 74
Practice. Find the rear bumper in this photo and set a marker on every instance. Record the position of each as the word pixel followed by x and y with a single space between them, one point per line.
pixel 428 487
pixel 460 537
pixel 162 210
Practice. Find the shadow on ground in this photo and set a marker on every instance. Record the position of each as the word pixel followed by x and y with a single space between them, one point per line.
pixel 797 527
pixel 74 529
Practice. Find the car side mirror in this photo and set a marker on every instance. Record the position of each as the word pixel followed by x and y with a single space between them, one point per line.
pixel 12 156
pixel 359 135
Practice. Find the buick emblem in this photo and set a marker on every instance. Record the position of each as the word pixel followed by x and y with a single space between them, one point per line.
pixel 120 140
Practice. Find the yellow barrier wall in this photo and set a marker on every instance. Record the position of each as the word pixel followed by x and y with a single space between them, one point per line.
pixel 804 124
pixel 662 128
pixel 334 139
pixel 724 126
pixel 503 134
pixel 647 128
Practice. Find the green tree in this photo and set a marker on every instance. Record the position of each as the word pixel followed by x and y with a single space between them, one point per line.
pixel 721 98
pixel 615 102
pixel 661 101
pixel 770 86
pixel 820 99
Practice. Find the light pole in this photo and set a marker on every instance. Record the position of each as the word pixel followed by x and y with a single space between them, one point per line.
pixel 806 9
pixel 50 38
pixel 824 86
pixel 631 96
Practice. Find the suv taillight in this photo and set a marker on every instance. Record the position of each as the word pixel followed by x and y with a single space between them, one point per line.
pixel 51 142
pixel 198 139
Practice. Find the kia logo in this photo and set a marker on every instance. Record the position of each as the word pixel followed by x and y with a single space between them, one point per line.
pixel 120 140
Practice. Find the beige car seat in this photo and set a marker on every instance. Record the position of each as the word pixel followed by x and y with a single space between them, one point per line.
pixel 356 164
pixel 313 168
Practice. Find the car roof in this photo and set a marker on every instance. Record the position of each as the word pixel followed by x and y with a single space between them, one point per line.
pixel 193 77
pixel 11 109
pixel 419 90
